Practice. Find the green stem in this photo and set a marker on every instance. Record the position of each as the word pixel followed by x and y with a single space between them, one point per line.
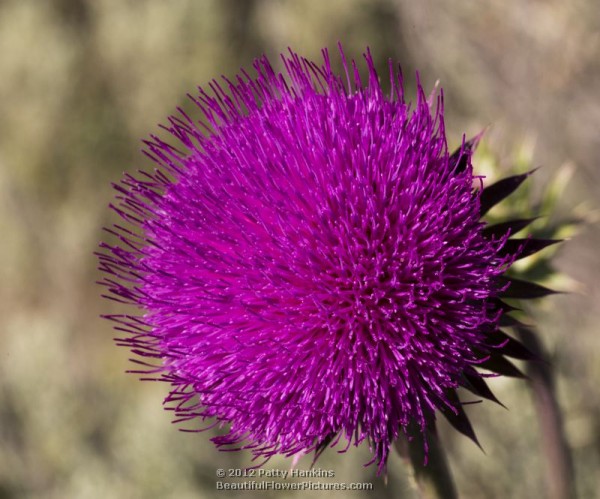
pixel 433 480
pixel 559 465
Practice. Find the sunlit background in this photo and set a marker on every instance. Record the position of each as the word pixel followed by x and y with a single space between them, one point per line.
pixel 83 81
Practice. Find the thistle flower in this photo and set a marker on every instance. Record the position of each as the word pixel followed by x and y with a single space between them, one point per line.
pixel 311 263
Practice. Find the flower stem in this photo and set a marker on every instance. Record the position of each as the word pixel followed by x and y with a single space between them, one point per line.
pixel 559 464
pixel 434 479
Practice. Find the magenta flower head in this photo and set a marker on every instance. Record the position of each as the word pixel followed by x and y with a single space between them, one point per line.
pixel 310 265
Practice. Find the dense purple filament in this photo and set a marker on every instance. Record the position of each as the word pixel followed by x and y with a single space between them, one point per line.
pixel 311 266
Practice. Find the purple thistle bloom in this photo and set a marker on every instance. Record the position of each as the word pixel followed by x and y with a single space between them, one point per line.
pixel 312 264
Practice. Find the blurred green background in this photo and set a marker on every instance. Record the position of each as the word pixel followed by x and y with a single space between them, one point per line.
pixel 82 81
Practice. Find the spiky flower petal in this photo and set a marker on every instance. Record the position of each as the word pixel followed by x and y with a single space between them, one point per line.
pixel 311 263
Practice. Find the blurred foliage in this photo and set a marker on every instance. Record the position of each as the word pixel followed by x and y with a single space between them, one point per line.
pixel 549 221
pixel 84 80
